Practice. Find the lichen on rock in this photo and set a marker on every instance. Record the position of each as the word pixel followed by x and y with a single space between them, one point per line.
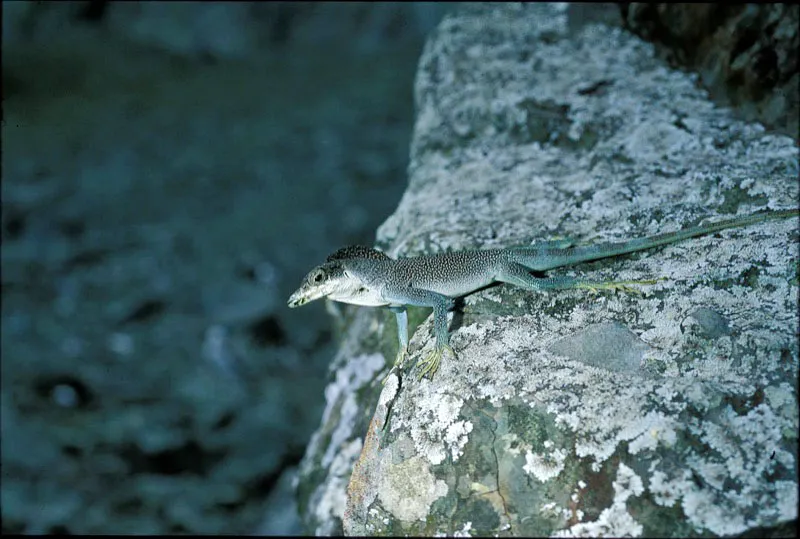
pixel 566 413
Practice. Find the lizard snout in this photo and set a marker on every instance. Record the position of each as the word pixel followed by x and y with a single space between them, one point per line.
pixel 296 300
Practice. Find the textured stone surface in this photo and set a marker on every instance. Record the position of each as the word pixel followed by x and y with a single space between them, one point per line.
pixel 684 421
pixel 745 54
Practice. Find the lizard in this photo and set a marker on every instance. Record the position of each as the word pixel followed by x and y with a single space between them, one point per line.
pixel 364 276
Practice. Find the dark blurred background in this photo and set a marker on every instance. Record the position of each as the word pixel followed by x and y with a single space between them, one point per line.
pixel 170 172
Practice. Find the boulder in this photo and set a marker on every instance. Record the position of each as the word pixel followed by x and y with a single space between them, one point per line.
pixel 565 413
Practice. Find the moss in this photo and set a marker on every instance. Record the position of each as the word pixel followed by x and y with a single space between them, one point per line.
pixel 749 277
pixel 660 521
pixel 480 513
pixel 537 428
pixel 733 198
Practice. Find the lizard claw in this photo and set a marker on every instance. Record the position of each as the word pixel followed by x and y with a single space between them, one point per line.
pixel 431 362
pixel 402 353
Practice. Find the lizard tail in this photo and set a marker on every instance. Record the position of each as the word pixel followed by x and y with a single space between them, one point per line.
pixel 539 259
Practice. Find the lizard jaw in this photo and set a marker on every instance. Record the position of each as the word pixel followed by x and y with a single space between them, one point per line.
pixel 304 295
pixel 332 281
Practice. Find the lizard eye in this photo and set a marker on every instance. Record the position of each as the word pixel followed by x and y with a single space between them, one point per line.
pixel 318 277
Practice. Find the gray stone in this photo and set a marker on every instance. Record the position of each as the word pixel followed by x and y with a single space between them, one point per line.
pixel 529 128
pixel 710 323
pixel 745 54
pixel 607 346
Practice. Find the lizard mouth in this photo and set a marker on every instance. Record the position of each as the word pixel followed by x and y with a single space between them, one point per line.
pixel 303 296
pixel 296 301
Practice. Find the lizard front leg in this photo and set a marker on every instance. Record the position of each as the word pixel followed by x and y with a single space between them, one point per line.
pixel 401 317
pixel 425 298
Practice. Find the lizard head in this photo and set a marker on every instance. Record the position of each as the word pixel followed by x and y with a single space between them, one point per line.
pixel 322 281
pixel 338 279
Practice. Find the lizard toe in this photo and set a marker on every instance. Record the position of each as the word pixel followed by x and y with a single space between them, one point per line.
pixel 430 364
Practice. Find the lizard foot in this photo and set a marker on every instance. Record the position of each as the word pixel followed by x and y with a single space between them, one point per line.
pixel 431 362
pixel 402 353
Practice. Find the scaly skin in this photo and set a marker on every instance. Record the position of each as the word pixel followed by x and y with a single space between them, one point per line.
pixel 364 276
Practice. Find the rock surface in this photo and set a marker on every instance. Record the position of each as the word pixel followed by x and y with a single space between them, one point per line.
pixel 745 54
pixel 568 414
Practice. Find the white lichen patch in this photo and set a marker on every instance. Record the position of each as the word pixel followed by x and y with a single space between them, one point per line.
pixel 434 423
pixel 703 508
pixel 456 437
pixel 783 399
pixel 390 387
pixel 342 392
pixel 649 431
pixel 645 419
pixel 464 531
pixel 787 496
pixel 553 510
pixel 665 491
pixel 408 489
pixel 435 427
pixel 745 449
pixel 601 426
pixel 652 140
pixel 614 521
pixel 330 499
pixel 545 466
pixel 499 383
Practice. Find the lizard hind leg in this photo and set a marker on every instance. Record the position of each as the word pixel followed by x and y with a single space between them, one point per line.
pixel 518 275
pixel 623 286
pixel 430 364
pixel 554 243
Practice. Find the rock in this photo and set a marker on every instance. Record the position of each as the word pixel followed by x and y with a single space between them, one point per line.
pixel 606 346
pixel 565 413
pixel 710 323
pixel 745 54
